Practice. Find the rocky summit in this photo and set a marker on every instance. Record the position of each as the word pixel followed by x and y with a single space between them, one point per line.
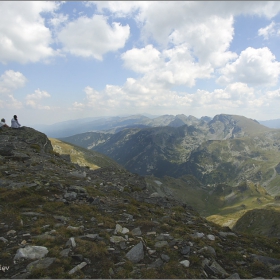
pixel 61 220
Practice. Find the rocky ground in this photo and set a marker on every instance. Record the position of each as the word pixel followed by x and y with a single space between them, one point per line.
pixel 60 220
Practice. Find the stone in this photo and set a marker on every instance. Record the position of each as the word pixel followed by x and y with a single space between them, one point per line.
pixel 136 231
pixel 33 214
pixel 64 253
pixel 40 264
pixel 165 257
pixel 76 268
pixel 161 244
pixel 211 237
pixel 234 276
pixel 71 242
pixel 157 263
pixel 91 236
pixel 31 252
pixel 218 269
pixel 78 174
pixel 70 196
pixel 185 263
pixel 116 239
pixel 266 260
pixel 3 239
pixel 125 230
pixel 185 250
pixel 136 254
pixel 225 234
pixel 118 229
pixel 11 232
pixel 197 235
pixel 61 218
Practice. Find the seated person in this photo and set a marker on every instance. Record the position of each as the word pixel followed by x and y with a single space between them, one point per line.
pixel 14 122
pixel 3 123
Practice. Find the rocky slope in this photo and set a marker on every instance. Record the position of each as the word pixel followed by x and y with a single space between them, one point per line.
pixel 61 220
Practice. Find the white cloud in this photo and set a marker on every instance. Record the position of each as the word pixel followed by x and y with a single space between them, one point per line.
pixel 142 60
pixel 93 37
pixel 269 31
pixel 33 100
pixel 23 34
pixel 171 67
pixel 10 81
pixel 253 66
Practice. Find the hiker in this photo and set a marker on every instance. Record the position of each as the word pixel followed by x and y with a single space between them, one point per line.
pixel 3 123
pixel 14 122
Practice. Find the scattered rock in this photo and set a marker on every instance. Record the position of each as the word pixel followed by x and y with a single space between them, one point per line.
pixel 31 252
pixel 76 268
pixel 136 254
pixel 40 264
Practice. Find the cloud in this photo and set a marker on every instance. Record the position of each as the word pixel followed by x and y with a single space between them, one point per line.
pixel 32 100
pixel 23 34
pixel 271 30
pixel 93 37
pixel 10 81
pixel 171 67
pixel 253 66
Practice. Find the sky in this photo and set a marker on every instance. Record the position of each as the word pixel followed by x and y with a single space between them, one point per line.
pixel 69 60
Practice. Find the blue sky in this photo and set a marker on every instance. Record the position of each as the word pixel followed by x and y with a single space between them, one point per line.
pixel 71 60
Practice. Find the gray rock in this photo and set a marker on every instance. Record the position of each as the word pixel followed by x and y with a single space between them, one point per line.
pixel 161 244
pixel 185 263
pixel 61 218
pixel 266 260
pixel 71 242
pixel 40 264
pixel 185 250
pixel 64 253
pixel 225 234
pixel 217 269
pixel 33 214
pixel 76 268
pixel 234 276
pixel 136 231
pixel 70 196
pixel 197 235
pixel 116 239
pixel 136 254
pixel 31 252
pixel 91 236
pixel 78 174
pixel 165 258
pixel 211 237
pixel 3 239
pixel 157 263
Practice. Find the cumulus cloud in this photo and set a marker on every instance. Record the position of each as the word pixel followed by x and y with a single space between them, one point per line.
pixel 269 31
pixel 93 37
pixel 135 97
pixel 171 67
pixel 23 34
pixel 253 66
pixel 33 100
pixel 10 81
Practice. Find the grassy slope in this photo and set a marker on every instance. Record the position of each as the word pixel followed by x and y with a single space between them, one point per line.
pixel 223 204
pixel 82 156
